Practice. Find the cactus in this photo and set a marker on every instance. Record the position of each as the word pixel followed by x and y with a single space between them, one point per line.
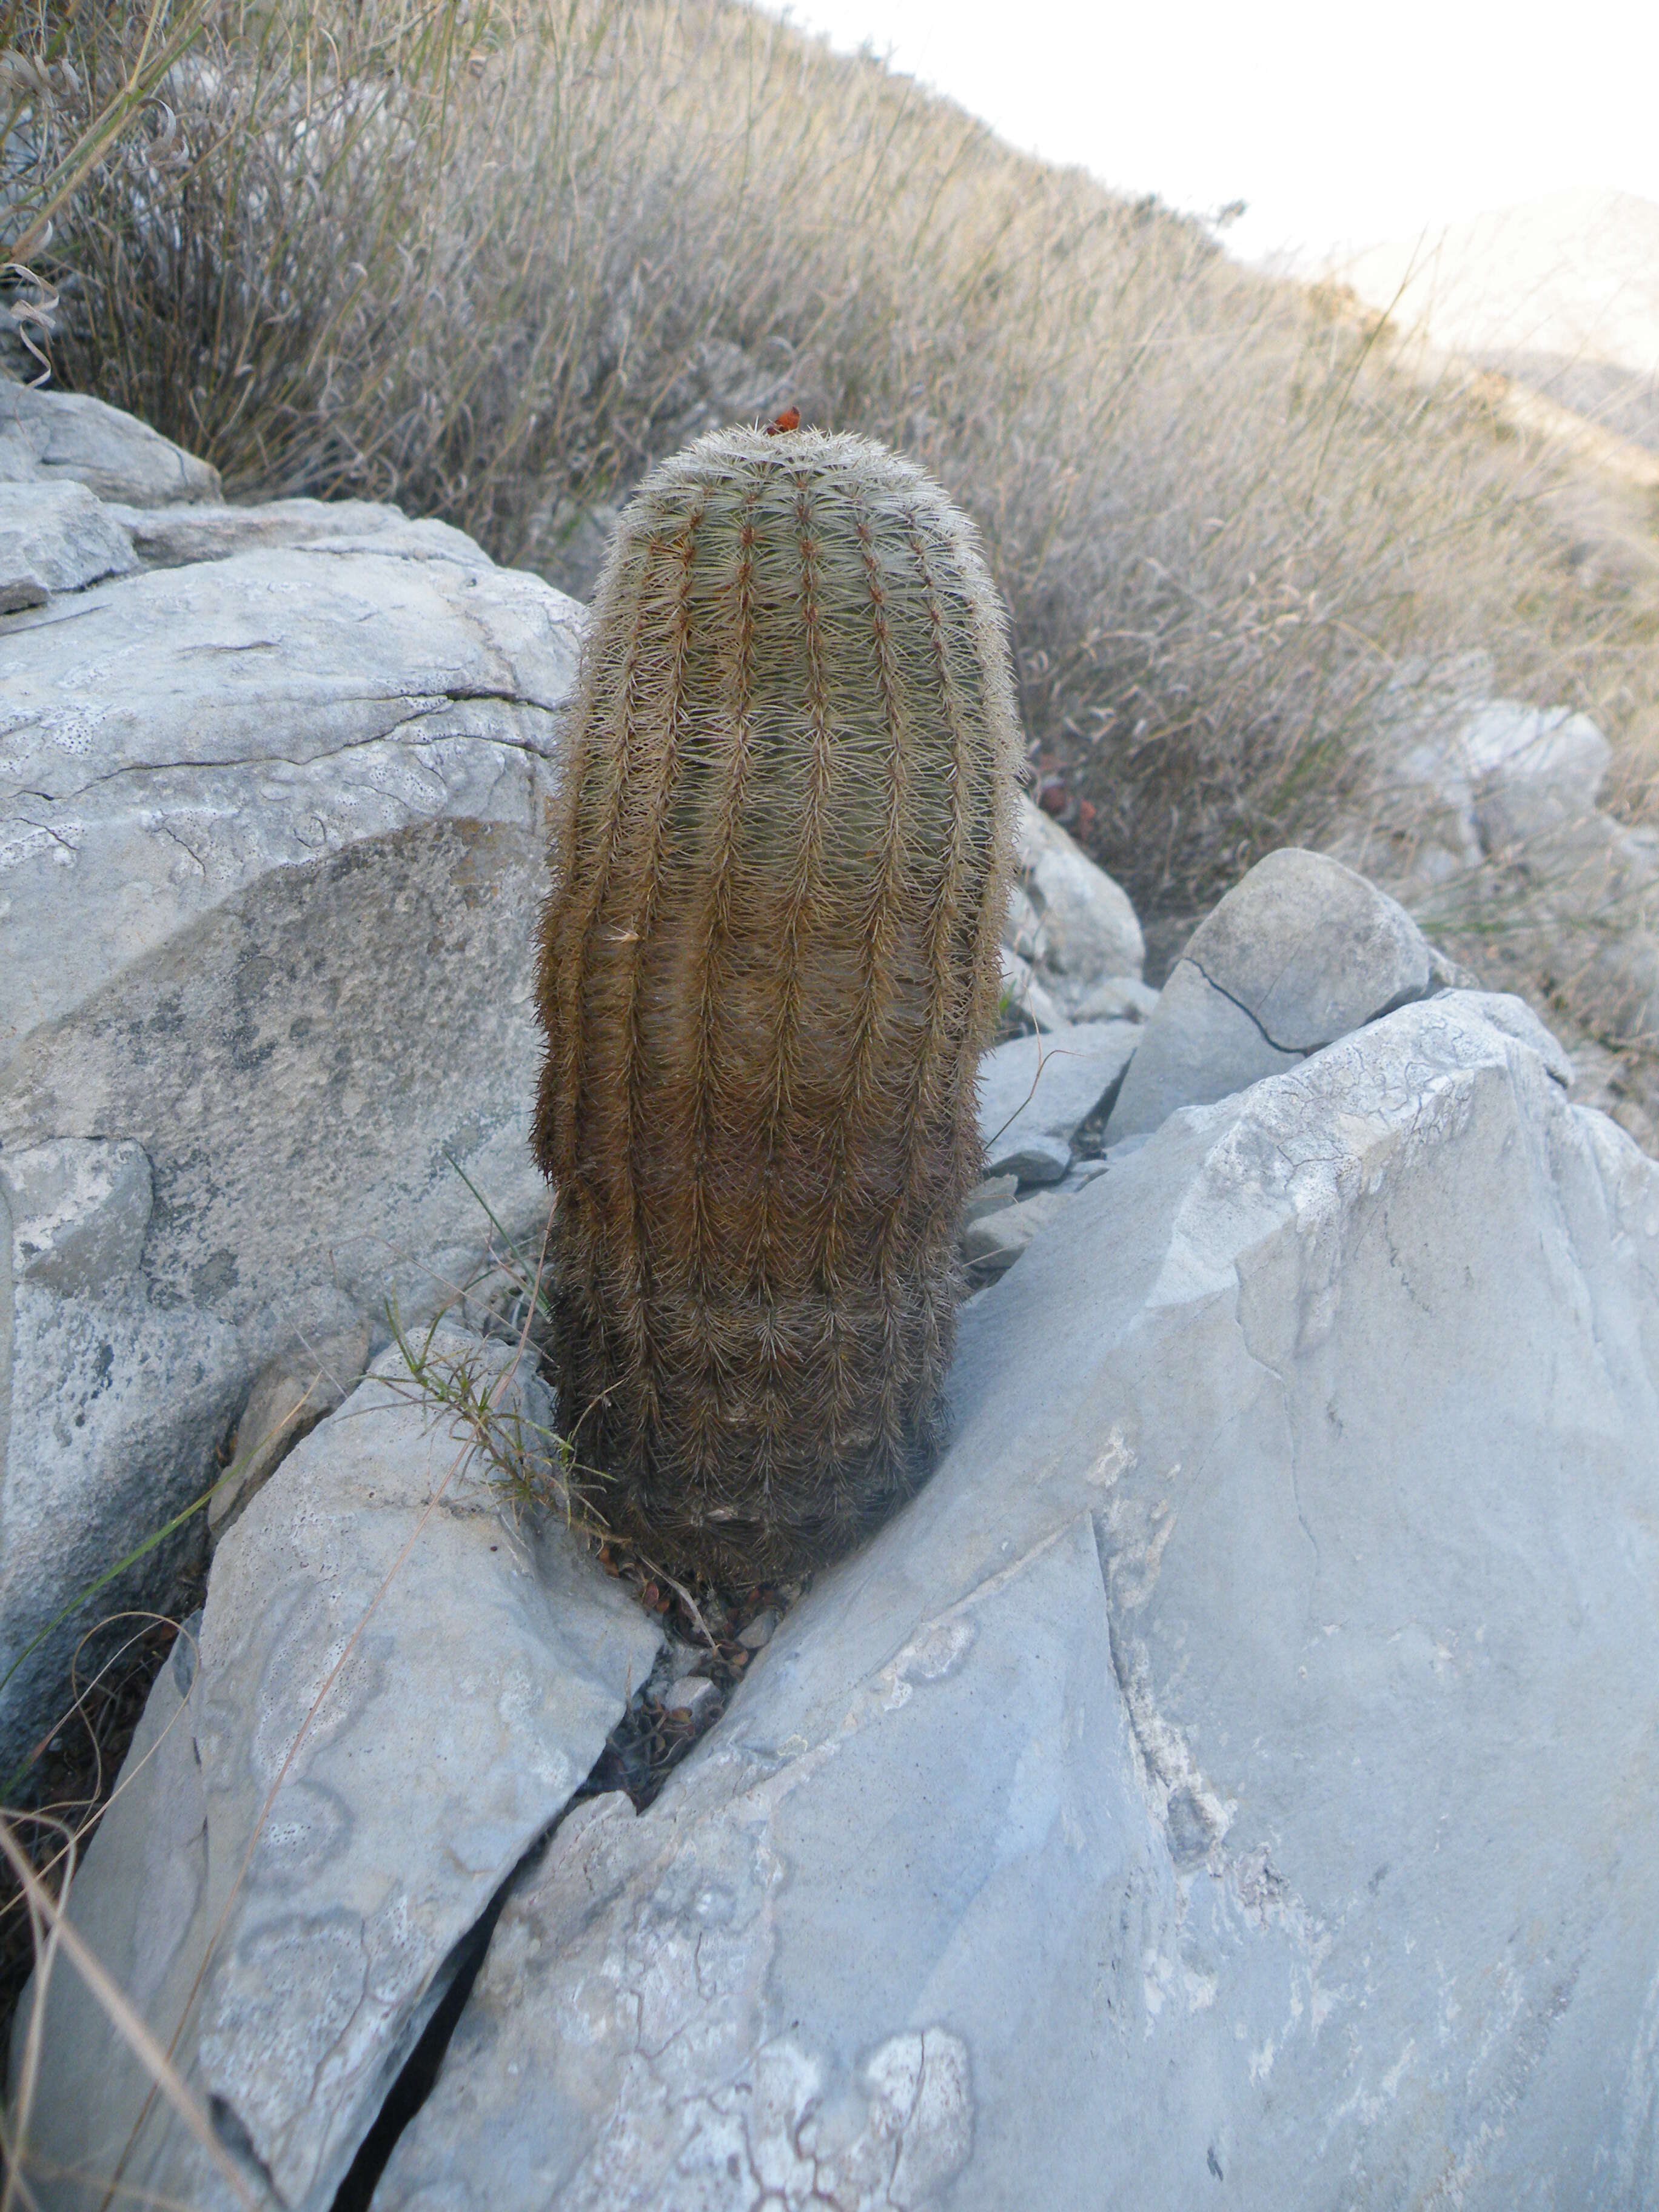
pixel 770 962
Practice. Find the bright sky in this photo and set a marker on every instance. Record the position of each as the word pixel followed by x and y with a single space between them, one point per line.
pixel 1340 126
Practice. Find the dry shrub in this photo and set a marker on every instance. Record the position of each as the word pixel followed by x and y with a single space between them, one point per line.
pixel 487 259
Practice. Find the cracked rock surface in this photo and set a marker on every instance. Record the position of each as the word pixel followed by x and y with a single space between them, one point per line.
pixel 1231 1773
pixel 272 827
pixel 317 1870
pixel 1297 954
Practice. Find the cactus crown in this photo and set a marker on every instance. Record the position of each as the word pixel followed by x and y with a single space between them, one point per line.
pixel 770 962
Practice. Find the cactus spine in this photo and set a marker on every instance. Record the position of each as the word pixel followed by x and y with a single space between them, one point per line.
pixel 769 962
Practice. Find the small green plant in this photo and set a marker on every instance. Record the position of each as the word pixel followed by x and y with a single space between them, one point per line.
pixel 527 1461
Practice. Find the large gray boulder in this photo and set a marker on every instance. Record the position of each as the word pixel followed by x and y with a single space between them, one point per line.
pixel 1496 745
pixel 1299 953
pixel 1230 1780
pixel 1491 812
pixel 1494 826
pixel 1464 765
pixel 272 819
pixel 398 1689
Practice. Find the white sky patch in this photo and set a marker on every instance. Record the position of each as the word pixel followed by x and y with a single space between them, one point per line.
pixel 1340 127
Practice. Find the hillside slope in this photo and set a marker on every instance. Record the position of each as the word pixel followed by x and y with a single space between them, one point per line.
pixel 1562 293
pixel 1241 538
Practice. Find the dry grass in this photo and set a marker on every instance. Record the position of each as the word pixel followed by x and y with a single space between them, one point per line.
pixel 487 259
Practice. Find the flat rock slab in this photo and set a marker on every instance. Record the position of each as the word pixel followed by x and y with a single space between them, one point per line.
pixel 1290 1577
pixel 69 437
pixel 174 537
pixel 397 1693
pixel 1034 1091
pixel 1300 953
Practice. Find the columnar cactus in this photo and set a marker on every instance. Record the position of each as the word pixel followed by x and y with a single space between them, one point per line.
pixel 769 962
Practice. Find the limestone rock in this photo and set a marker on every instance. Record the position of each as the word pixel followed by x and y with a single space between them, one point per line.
pixel 1117 999
pixel 272 829
pixel 397 1691
pixel 300 1388
pixel 1299 953
pixel 57 437
pixel 1072 927
pixel 1025 1003
pixel 1034 1091
pixel 137 1901
pixel 1311 949
pixel 219 725
pixel 1289 1581
pixel 172 537
pixel 113 1404
pixel 55 537
pixel 79 1211
pixel 990 1196
pixel 993 1243
pixel 1505 742
pixel 1478 773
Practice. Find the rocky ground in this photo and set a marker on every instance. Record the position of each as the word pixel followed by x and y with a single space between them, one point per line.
pixel 1231 1770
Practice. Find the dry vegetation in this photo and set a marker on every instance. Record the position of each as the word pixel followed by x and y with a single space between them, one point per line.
pixel 487 259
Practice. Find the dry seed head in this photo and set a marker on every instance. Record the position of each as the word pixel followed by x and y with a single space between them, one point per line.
pixel 769 962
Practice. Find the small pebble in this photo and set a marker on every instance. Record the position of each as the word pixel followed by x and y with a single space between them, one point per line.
pixel 760 1632
pixel 992 1195
pixel 991 1246
pixel 694 1696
